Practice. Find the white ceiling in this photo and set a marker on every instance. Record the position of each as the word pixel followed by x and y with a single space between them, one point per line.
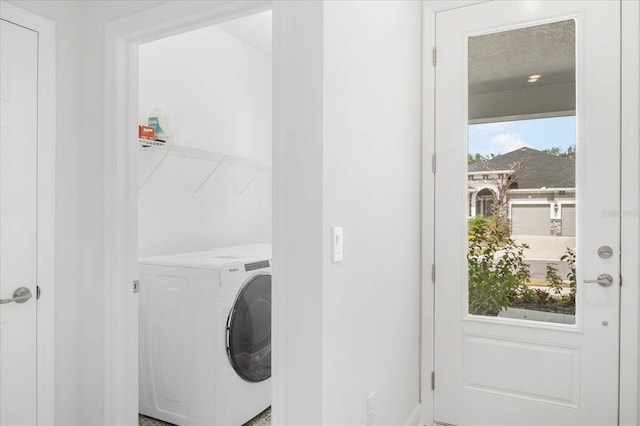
pixel 255 30
pixel 503 61
pixel 500 64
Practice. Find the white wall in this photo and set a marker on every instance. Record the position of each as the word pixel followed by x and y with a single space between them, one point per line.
pixel 298 228
pixel 95 14
pixel 216 90
pixel 372 150
pixel 362 315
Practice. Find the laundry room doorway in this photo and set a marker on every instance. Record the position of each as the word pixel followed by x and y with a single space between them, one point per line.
pixel 205 203
pixel 204 176
pixel 191 108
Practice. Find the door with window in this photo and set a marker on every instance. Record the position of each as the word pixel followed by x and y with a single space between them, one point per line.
pixel 527 322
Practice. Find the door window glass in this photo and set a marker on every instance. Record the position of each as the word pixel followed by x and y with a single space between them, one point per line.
pixel 521 179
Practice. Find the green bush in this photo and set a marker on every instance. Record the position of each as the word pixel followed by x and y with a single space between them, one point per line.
pixel 528 295
pixel 556 283
pixel 477 228
pixel 486 227
pixel 570 258
pixel 497 271
pixel 553 279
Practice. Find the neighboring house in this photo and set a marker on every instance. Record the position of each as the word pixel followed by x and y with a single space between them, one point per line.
pixel 540 191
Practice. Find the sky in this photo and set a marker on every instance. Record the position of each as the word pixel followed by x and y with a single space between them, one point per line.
pixel 500 138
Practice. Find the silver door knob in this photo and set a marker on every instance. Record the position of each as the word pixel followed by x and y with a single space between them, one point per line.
pixel 21 295
pixel 605 280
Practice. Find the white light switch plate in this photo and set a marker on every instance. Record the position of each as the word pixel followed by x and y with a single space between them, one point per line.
pixel 337 244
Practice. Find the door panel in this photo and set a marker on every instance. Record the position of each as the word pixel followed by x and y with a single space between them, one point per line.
pixel 500 371
pixel 18 166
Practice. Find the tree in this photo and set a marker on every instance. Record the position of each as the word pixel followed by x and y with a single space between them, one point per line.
pixel 570 152
pixel 502 182
pixel 474 158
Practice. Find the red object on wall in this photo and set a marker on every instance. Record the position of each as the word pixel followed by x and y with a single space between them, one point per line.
pixel 146 132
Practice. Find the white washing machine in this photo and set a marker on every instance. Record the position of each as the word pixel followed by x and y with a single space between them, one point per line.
pixel 205 336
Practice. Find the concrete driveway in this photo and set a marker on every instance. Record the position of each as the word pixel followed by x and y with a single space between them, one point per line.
pixel 545 249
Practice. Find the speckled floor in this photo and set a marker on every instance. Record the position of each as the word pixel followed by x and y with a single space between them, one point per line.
pixel 262 419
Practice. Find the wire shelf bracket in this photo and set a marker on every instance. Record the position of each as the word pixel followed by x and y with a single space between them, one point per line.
pixel 197 193
pixel 153 171
pixel 250 182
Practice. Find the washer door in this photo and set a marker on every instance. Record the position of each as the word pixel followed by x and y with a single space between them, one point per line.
pixel 249 330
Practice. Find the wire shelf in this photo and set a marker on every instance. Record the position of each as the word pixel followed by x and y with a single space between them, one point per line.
pixel 199 154
pixel 147 145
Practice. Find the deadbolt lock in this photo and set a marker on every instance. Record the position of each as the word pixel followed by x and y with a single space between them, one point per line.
pixel 605 252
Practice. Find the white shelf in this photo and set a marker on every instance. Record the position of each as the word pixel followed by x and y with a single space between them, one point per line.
pixel 146 145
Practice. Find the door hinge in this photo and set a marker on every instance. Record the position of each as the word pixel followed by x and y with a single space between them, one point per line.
pixel 434 56
pixel 433 273
pixel 433 163
pixel 136 286
pixel 433 380
pixel 37 292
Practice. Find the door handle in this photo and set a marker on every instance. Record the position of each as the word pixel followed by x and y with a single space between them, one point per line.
pixel 605 280
pixel 21 295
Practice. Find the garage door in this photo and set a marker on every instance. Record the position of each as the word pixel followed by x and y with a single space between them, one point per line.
pixel 530 220
pixel 569 221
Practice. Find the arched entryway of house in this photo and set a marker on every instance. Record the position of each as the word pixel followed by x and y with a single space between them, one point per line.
pixel 481 201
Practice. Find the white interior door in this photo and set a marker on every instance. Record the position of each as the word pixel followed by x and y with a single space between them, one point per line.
pixel 492 370
pixel 18 204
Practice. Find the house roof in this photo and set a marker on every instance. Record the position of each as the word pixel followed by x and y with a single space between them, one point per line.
pixel 541 170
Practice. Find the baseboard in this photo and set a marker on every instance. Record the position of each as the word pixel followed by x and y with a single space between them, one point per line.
pixel 414 418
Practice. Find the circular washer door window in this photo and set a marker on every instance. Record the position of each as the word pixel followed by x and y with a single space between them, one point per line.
pixel 249 330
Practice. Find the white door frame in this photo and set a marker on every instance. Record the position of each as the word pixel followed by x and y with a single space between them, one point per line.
pixel 630 221
pixel 46 205
pixel 122 39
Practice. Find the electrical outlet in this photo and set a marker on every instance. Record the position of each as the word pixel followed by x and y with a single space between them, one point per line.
pixel 371 409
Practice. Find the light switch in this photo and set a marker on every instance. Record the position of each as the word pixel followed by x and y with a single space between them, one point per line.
pixel 337 244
